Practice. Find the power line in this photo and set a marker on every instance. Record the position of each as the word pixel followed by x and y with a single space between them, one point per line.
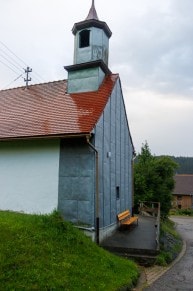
pixel 12 81
pixel 8 55
pixel 39 77
pixel 18 68
pixel 8 67
pixel 13 53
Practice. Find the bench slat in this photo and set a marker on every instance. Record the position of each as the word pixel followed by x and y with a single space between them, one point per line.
pixel 123 215
pixel 130 220
pixel 125 218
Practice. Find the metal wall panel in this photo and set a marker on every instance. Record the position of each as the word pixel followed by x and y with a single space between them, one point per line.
pixel 97 50
pixel 85 80
pixel 77 168
pixel 112 139
pixel 77 182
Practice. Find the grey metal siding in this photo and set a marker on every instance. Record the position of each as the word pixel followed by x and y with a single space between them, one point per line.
pixel 114 144
pixel 77 182
pixel 97 50
pixel 85 80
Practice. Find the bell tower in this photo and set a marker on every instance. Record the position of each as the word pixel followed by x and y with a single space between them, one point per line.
pixel 91 39
pixel 91 51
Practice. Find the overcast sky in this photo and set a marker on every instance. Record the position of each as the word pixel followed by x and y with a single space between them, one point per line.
pixel 151 48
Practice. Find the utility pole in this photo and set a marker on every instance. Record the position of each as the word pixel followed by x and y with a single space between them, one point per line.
pixel 27 79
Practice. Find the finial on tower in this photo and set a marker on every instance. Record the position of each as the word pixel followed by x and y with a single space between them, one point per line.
pixel 92 13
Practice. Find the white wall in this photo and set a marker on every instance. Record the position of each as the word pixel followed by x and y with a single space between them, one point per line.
pixel 29 175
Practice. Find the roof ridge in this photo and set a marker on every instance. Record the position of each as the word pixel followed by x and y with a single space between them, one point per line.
pixel 32 85
pixel 46 109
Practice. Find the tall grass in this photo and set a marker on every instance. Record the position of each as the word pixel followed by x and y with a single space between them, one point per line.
pixel 42 252
pixel 170 243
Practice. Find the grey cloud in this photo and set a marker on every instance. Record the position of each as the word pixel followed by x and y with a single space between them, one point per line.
pixel 159 50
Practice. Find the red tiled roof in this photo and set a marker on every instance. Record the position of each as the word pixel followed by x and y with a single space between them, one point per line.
pixel 183 185
pixel 46 110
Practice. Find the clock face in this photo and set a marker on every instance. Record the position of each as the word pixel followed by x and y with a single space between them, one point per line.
pixel 97 52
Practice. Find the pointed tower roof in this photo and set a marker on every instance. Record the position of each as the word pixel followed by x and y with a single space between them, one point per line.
pixel 92 20
pixel 92 13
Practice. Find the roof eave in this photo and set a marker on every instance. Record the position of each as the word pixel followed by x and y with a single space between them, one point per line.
pixel 51 136
pixel 89 23
pixel 93 64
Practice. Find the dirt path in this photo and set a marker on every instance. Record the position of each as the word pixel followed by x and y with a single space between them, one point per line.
pixel 180 276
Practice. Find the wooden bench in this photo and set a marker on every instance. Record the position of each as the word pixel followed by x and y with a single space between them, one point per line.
pixel 125 218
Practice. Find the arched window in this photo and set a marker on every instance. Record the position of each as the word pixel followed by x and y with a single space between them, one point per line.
pixel 84 38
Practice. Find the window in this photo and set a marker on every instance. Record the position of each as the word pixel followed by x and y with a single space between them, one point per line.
pixel 117 192
pixel 84 38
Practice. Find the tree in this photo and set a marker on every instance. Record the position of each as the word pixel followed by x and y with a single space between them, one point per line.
pixel 154 179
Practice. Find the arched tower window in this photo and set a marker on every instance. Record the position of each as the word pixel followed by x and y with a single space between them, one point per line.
pixel 84 38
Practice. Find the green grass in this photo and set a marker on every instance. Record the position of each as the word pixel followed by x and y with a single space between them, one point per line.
pixel 183 212
pixel 42 252
pixel 170 243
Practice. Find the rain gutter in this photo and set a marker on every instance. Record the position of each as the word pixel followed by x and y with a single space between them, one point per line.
pixel 132 169
pixel 51 136
pixel 97 186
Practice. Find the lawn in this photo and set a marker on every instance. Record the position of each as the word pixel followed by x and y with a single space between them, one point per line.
pixel 43 252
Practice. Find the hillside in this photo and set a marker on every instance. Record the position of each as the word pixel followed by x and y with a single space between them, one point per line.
pixel 185 165
pixel 42 252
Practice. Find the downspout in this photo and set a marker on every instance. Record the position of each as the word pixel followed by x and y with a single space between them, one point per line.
pixel 97 187
pixel 133 161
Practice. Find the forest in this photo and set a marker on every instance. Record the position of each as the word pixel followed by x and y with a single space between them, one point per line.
pixel 185 165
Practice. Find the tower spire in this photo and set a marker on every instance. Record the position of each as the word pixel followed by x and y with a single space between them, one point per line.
pixel 92 13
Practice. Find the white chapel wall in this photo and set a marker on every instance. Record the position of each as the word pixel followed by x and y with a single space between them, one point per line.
pixel 29 175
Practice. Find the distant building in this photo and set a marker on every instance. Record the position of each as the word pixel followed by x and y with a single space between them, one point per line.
pixel 183 192
pixel 66 145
